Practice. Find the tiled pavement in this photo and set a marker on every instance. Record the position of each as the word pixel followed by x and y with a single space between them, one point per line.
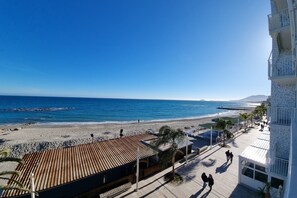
pixel 211 162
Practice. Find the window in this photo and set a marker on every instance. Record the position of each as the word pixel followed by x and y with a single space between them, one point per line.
pixel 247 163
pixel 275 182
pixel 248 172
pixel 260 168
pixel 261 177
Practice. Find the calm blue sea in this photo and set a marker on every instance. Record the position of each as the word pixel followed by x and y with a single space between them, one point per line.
pixel 19 109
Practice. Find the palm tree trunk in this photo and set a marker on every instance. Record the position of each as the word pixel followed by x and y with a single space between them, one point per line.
pixel 173 168
pixel 223 139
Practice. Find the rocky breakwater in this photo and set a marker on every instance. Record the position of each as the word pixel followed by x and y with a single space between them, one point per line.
pixel 19 150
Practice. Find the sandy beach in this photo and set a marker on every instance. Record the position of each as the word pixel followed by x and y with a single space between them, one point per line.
pixel 22 139
pixel 28 138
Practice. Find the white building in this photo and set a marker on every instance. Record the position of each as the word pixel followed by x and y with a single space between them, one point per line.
pixel 273 158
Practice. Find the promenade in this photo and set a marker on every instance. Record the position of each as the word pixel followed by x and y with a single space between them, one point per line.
pixel 211 162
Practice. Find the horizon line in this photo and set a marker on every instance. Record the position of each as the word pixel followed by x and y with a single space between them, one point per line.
pixel 123 98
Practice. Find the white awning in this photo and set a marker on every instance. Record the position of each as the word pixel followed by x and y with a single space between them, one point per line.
pixel 258 150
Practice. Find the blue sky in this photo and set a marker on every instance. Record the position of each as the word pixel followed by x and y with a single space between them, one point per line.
pixel 164 49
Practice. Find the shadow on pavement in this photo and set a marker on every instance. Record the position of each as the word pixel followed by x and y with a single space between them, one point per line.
pixel 243 192
pixel 147 194
pixel 234 144
pixel 189 178
pixel 205 194
pixel 197 193
pixel 209 163
pixel 223 168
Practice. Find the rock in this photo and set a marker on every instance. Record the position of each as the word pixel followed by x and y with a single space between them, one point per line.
pixel 19 150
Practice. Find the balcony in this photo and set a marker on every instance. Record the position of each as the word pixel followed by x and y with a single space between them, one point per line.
pixel 279 166
pixel 278 20
pixel 282 69
pixel 281 116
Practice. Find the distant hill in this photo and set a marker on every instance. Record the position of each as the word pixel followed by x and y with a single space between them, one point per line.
pixel 254 98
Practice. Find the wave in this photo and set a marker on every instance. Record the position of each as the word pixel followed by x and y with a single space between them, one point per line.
pixel 225 113
pixel 38 109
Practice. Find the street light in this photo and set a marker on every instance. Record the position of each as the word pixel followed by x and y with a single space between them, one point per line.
pixel 210 137
pixel 187 138
pixel 32 186
pixel 137 168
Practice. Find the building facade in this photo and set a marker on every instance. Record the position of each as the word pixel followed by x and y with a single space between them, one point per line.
pixel 276 157
pixel 282 73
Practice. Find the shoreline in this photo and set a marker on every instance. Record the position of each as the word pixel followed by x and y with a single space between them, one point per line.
pixel 22 139
pixel 36 138
pixel 220 114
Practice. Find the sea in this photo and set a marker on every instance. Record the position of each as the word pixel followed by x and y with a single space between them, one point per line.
pixel 66 110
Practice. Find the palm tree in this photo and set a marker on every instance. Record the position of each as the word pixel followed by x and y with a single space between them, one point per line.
pixel 264 192
pixel 244 117
pixel 12 183
pixel 171 138
pixel 251 117
pixel 260 110
pixel 223 125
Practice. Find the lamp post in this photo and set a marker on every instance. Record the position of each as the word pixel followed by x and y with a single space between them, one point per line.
pixel 32 186
pixel 210 137
pixel 187 138
pixel 137 168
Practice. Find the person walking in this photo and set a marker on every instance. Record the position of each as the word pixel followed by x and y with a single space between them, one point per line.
pixel 231 157
pixel 204 179
pixel 227 155
pixel 210 182
pixel 121 133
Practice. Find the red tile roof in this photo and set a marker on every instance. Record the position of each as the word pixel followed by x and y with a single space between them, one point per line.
pixel 59 166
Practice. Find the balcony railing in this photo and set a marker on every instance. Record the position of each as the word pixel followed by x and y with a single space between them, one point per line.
pixel 279 20
pixel 279 166
pixel 270 66
pixel 282 67
pixel 281 116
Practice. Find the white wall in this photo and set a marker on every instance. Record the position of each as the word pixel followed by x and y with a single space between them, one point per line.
pixel 282 95
pixel 280 141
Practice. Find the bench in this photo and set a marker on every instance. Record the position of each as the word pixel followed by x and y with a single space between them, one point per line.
pixel 116 191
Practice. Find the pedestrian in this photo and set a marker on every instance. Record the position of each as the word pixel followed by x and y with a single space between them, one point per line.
pixel 231 157
pixel 210 182
pixel 204 179
pixel 227 155
pixel 121 133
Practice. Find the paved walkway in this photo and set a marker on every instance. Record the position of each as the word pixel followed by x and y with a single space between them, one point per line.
pixel 211 162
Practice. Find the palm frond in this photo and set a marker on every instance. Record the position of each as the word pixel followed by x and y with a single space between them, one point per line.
pixel 13 181
pixel 4 152
pixel 17 173
pixel 10 159
pixel 172 138
pixel 13 188
pixel 165 159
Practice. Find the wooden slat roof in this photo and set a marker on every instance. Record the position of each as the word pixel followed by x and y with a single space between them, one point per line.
pixel 60 166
